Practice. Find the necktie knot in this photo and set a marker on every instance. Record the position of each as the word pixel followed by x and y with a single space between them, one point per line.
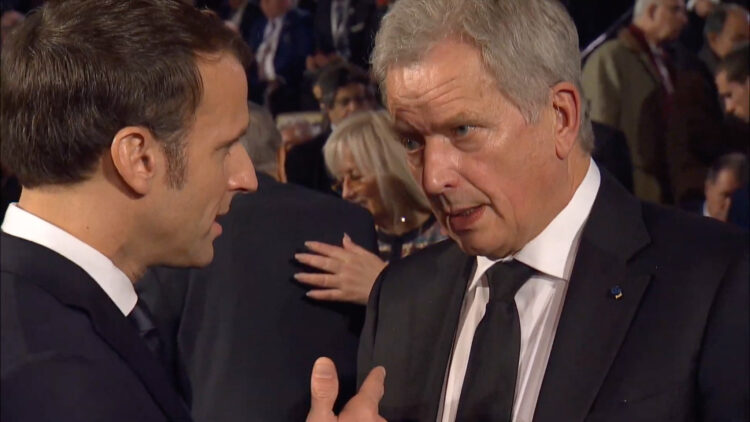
pixel 140 317
pixel 505 278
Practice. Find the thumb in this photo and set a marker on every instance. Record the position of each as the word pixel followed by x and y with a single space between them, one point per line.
pixel 324 388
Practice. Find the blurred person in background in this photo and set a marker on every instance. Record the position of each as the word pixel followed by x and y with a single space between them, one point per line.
pixel 262 140
pixel 342 89
pixel 698 10
pixel 727 27
pixel 728 174
pixel 281 38
pixel 344 28
pixel 629 82
pixel 733 82
pixel 369 164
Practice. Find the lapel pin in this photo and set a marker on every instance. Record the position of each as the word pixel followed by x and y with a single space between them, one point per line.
pixel 616 292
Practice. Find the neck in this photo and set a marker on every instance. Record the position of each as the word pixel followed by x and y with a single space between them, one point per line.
pixel 92 216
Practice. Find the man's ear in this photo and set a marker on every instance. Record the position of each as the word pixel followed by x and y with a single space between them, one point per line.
pixel 566 106
pixel 137 157
pixel 651 11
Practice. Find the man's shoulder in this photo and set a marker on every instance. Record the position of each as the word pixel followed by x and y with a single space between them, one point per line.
pixel 613 50
pixel 297 200
pixel 425 266
pixel 701 233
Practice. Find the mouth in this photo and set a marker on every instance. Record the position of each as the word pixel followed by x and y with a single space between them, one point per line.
pixel 463 219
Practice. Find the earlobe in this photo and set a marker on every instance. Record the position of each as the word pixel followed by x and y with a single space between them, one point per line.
pixel 134 153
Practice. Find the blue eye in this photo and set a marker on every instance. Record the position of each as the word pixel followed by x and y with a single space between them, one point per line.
pixel 411 144
pixel 462 130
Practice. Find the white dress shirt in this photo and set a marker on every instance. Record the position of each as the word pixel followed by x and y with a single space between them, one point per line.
pixel 539 302
pixel 112 280
pixel 267 48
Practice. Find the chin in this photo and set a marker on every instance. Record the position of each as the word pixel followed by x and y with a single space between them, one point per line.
pixel 474 243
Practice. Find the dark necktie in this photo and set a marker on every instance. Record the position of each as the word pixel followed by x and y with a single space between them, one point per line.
pixel 490 381
pixel 141 318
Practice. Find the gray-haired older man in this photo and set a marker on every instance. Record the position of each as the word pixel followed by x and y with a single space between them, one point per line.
pixel 562 297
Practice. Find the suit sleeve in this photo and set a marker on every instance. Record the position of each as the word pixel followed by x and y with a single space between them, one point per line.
pixel 55 387
pixel 724 372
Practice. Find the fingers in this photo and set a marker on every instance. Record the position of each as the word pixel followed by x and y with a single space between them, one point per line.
pixel 326 249
pixel 318 280
pixel 320 262
pixel 372 388
pixel 330 295
pixel 364 405
pixel 324 388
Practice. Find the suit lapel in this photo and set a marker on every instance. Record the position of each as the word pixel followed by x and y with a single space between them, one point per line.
pixel 593 322
pixel 454 265
pixel 74 287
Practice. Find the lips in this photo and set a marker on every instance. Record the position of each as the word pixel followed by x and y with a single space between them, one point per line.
pixel 464 219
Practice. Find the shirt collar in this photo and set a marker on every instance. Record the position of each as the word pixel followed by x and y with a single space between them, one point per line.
pixel 550 250
pixel 22 224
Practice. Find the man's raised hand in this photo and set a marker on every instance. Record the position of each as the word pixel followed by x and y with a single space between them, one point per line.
pixel 324 388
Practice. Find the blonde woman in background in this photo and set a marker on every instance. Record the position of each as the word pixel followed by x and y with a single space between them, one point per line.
pixel 369 164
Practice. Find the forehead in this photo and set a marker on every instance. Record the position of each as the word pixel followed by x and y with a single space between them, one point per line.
pixel 726 178
pixel 351 89
pixel 738 22
pixel 451 75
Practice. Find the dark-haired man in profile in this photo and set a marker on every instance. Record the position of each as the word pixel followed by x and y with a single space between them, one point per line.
pixel 125 139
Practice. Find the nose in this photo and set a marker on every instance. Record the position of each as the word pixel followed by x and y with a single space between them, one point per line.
pixel 729 106
pixel 241 171
pixel 438 166
pixel 346 189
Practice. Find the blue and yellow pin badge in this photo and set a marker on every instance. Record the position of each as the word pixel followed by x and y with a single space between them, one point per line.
pixel 616 292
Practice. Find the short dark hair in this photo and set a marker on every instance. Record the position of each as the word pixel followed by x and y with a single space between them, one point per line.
pixel 77 71
pixel 716 19
pixel 735 162
pixel 736 64
pixel 338 76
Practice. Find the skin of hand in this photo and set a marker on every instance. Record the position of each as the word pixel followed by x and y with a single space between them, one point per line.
pixel 324 388
pixel 349 271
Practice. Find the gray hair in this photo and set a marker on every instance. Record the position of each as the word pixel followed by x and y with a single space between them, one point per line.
pixel 262 140
pixel 373 144
pixel 527 45
pixel 640 7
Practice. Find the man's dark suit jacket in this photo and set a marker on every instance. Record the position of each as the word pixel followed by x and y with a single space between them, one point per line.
pixel 68 353
pixel 362 24
pixel 295 44
pixel 674 347
pixel 246 332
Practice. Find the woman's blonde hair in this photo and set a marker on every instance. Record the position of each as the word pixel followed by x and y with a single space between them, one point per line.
pixel 369 137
